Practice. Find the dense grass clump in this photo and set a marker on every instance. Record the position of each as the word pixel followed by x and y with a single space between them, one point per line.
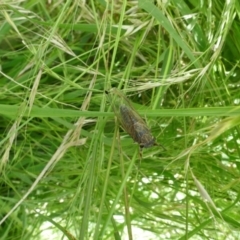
pixel 68 170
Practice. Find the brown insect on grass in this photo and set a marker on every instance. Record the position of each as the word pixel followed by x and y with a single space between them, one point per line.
pixel 130 120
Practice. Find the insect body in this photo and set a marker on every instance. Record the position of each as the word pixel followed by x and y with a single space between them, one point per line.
pixel 130 120
pixel 136 127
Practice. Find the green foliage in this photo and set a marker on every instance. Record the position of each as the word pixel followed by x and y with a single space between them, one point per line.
pixel 68 171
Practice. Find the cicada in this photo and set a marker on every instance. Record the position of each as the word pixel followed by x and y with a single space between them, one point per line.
pixel 130 120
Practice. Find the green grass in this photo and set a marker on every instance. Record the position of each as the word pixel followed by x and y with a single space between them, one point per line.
pixel 68 168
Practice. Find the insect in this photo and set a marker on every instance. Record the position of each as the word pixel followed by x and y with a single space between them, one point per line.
pixel 130 120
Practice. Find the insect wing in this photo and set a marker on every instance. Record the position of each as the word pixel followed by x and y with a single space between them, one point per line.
pixel 130 120
pixel 122 107
pixel 144 135
pixel 136 127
